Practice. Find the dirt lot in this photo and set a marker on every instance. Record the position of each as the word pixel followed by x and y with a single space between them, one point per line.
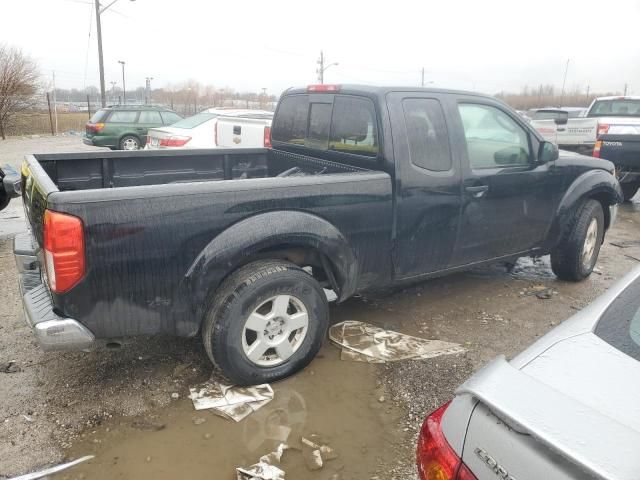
pixel 118 404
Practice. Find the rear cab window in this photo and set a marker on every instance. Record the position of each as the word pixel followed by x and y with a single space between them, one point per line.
pixel 616 107
pixel 333 123
pixel 122 116
pixel 620 323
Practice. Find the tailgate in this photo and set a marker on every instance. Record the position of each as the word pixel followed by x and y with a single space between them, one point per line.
pixel 528 429
pixel 623 150
pixel 241 132
pixel 36 187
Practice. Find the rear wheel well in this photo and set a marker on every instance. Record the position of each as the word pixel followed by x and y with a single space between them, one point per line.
pixel 312 260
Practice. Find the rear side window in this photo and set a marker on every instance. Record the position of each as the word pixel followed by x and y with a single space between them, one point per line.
pixel 150 116
pixel 169 118
pixel 427 134
pixel 99 116
pixel 620 324
pixel 122 116
pixel 353 126
pixel 290 124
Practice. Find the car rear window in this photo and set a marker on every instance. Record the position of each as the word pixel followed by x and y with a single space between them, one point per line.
pixel 194 121
pixel 170 118
pixel 123 116
pixel 99 116
pixel 343 123
pixel 619 107
pixel 620 324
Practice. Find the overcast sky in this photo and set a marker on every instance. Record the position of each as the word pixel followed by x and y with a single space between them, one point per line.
pixel 484 45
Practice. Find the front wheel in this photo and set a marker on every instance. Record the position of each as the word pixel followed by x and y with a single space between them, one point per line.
pixel 577 253
pixel 129 142
pixel 629 190
pixel 266 322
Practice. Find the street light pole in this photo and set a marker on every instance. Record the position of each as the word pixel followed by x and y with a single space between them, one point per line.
pixel 322 68
pixel 100 11
pixel 124 87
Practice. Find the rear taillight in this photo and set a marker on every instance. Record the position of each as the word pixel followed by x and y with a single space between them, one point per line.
pixel 603 129
pixel 94 127
pixel 148 140
pixel 436 459
pixel 174 141
pixel 63 250
pixel 323 87
pixel 267 137
pixel 596 149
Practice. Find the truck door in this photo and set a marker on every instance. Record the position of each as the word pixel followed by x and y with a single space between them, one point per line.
pixel 509 198
pixel 427 185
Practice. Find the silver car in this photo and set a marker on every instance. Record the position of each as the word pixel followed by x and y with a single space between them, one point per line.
pixel 568 407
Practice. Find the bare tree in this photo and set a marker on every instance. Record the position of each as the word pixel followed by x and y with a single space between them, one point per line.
pixel 19 81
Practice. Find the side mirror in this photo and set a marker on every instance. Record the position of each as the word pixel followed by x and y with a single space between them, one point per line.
pixel 548 152
pixel 562 118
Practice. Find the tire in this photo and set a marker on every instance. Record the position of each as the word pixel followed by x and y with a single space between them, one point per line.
pixel 577 253
pixel 629 190
pixel 255 296
pixel 129 142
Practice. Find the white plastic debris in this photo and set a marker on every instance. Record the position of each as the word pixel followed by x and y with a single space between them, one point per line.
pixel 316 454
pixel 266 468
pixel 363 342
pixel 230 401
pixel 50 471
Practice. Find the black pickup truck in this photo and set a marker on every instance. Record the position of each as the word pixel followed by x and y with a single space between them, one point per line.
pixel 363 188
pixel 624 152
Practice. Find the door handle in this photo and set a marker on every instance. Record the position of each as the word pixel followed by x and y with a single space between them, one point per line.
pixel 478 191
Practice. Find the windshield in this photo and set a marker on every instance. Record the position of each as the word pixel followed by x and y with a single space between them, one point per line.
pixel 623 107
pixel 196 120
pixel 620 324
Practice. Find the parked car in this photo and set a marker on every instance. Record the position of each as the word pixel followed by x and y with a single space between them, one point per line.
pixel 215 128
pixel 624 152
pixel 566 127
pixel 9 185
pixel 365 187
pixel 568 407
pixel 124 127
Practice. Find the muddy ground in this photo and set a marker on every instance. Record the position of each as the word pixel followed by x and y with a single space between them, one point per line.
pixel 118 404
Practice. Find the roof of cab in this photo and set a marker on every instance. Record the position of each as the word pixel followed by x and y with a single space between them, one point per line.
pixel 371 90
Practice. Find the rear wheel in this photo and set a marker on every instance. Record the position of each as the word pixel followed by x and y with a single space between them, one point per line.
pixel 629 190
pixel 266 322
pixel 129 142
pixel 577 253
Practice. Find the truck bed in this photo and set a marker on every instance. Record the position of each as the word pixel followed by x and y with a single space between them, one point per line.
pixel 87 171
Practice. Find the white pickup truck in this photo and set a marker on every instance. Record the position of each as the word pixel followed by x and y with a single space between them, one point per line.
pixel 215 128
pixel 577 129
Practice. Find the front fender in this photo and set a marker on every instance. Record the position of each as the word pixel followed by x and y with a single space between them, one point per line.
pixel 235 245
pixel 596 184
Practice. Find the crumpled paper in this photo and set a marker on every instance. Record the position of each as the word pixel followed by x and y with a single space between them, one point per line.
pixel 230 401
pixel 266 468
pixel 316 454
pixel 363 342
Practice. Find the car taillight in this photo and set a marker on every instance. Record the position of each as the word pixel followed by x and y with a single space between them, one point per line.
pixel 63 250
pixel 148 140
pixel 603 128
pixel 596 149
pixel 94 127
pixel 436 459
pixel 174 141
pixel 267 137
pixel 323 87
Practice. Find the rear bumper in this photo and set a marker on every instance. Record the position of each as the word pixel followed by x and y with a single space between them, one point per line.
pixel 52 331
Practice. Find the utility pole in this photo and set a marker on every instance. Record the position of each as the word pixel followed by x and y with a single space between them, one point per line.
pixel 588 88
pixel 55 105
pixel 321 68
pixel 422 82
pixel 124 88
pixel 50 118
pixel 100 61
pixel 147 91
pixel 564 81
pixel 113 91
pixel 625 89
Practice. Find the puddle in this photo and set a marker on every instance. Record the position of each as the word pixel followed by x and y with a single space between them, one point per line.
pixel 526 268
pixel 335 399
